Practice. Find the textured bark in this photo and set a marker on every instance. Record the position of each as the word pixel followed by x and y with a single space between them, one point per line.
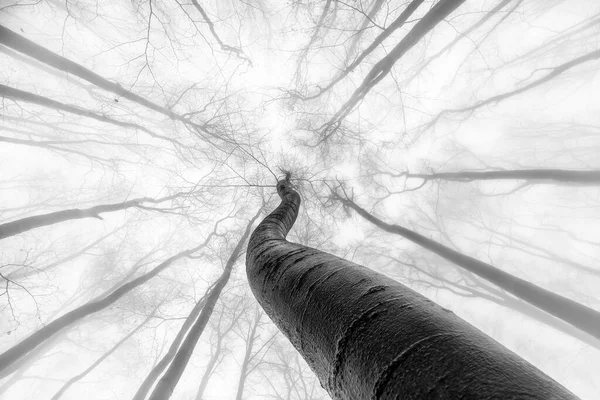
pixel 367 336
pixel 48 331
pixel 578 315
pixel 591 177
pixel 165 386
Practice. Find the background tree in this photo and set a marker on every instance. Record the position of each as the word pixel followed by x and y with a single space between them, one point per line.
pixel 206 104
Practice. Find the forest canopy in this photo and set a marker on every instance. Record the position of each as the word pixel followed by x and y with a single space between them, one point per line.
pixel 450 145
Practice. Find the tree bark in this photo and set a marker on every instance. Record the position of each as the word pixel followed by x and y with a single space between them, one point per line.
pixel 165 386
pixel 578 315
pixel 367 336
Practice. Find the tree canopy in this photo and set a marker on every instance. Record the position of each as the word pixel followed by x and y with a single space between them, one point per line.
pixel 142 141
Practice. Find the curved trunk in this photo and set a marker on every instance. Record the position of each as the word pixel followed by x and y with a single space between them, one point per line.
pixel 578 315
pixel 367 336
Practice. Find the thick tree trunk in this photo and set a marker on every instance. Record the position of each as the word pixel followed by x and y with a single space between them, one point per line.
pixel 34 340
pixel 591 177
pixel 165 386
pixel 578 315
pixel 367 336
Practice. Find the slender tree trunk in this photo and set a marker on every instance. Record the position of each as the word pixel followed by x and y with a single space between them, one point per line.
pixel 23 273
pixel 247 358
pixel 382 68
pixel 374 9
pixel 28 97
pixel 210 368
pixel 37 221
pixel 23 45
pixel 461 36
pixel 367 336
pixel 578 315
pixel 545 175
pixel 159 368
pixel 216 355
pixel 89 369
pixel 34 340
pixel 165 386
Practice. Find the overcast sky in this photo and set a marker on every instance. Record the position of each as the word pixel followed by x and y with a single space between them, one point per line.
pixel 247 94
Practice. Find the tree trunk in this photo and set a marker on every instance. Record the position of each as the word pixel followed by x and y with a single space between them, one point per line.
pixel 216 354
pixel 367 336
pixel 247 357
pixel 28 97
pixel 545 175
pixel 26 46
pixel 166 385
pixel 89 369
pixel 54 327
pixel 578 315
pixel 159 368
pixel 37 221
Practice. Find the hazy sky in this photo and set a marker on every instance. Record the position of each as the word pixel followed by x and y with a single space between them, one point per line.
pixel 254 125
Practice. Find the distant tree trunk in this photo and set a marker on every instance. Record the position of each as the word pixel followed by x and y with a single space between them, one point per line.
pixel 578 315
pixel 48 331
pixel 89 369
pixel 28 97
pixel 591 177
pixel 165 386
pixel 216 356
pixel 247 358
pixel 23 45
pixel 375 7
pixel 159 368
pixel 37 221
pixel 367 336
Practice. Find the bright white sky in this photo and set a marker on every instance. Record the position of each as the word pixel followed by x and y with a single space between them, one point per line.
pixel 527 233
